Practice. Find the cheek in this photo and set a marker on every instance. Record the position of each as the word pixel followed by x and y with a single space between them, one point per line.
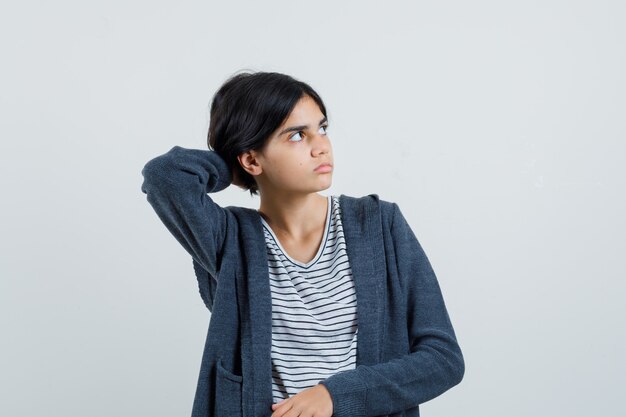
pixel 291 171
pixel 287 165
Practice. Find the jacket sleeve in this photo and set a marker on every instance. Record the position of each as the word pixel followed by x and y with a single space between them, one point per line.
pixel 435 362
pixel 176 184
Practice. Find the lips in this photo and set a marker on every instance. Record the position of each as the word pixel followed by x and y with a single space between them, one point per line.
pixel 325 165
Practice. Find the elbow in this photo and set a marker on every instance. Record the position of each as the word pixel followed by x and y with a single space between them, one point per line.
pixel 456 363
pixel 162 165
pixel 148 174
pixel 455 360
pixel 153 173
pixel 152 168
pixel 453 363
pixel 460 368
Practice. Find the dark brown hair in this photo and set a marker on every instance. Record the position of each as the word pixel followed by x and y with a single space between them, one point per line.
pixel 247 110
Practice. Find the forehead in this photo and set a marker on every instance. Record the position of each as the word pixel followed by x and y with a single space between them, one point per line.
pixel 305 111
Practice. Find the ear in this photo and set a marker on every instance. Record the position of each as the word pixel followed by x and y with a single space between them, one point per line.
pixel 250 163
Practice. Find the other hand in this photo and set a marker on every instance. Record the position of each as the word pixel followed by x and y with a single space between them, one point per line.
pixel 315 401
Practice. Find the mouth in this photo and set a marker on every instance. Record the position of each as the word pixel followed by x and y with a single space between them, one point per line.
pixel 325 167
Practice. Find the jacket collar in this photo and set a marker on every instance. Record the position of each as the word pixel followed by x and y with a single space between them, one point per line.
pixel 363 234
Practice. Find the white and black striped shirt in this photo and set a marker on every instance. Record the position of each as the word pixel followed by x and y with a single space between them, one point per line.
pixel 314 322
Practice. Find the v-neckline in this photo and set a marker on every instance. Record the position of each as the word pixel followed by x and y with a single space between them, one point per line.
pixel 322 244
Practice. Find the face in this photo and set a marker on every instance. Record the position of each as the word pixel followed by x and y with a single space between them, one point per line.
pixel 291 155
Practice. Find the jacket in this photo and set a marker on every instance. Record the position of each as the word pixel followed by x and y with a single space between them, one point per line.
pixel 407 352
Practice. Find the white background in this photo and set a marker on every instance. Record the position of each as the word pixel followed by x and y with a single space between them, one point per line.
pixel 497 126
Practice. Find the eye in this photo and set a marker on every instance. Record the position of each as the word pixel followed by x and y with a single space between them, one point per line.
pixel 297 133
pixel 294 135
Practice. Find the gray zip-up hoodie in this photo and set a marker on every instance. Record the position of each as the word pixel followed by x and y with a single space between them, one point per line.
pixel 407 352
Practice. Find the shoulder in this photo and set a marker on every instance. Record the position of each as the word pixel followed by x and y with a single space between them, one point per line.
pixel 372 204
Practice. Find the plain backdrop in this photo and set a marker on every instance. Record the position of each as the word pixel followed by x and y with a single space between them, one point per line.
pixel 497 126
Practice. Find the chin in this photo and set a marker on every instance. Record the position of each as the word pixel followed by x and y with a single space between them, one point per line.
pixel 325 187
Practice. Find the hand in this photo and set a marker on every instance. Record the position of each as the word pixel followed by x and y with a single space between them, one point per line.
pixel 315 401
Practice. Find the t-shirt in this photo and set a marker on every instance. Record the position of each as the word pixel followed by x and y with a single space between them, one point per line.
pixel 314 321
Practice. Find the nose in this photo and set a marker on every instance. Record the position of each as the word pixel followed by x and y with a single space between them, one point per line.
pixel 321 144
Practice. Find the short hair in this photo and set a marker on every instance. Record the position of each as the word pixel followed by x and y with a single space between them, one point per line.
pixel 247 109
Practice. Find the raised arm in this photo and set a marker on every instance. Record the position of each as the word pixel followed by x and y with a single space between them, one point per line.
pixel 176 184
pixel 435 363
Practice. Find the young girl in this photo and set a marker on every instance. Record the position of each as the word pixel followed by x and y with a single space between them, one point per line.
pixel 320 305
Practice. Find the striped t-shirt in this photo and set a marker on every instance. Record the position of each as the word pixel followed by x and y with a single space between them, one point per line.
pixel 314 321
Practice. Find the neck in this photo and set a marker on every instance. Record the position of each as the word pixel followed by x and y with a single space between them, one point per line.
pixel 294 216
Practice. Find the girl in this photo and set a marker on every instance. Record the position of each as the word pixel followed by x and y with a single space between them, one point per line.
pixel 320 305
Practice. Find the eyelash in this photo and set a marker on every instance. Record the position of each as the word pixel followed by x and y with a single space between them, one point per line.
pixel 325 131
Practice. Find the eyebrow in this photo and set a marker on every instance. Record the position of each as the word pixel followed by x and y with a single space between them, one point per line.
pixel 299 128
